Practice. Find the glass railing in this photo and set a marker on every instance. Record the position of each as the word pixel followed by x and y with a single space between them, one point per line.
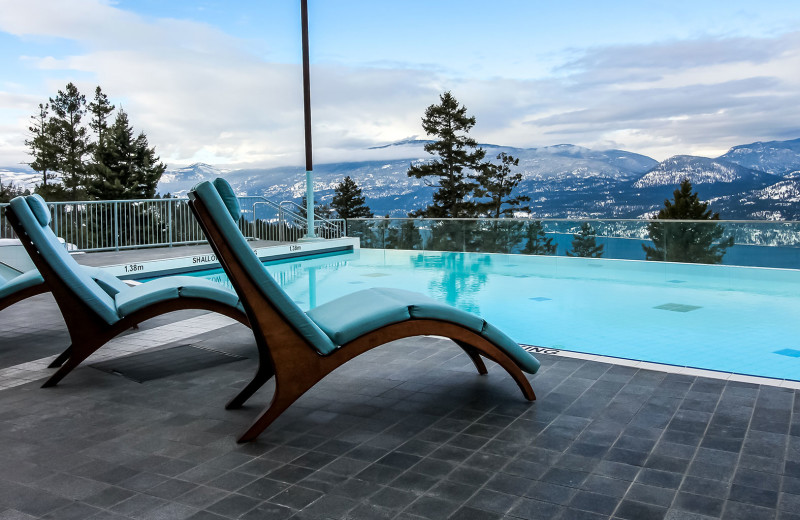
pixel 741 243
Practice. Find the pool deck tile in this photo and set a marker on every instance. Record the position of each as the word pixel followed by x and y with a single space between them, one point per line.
pixel 406 431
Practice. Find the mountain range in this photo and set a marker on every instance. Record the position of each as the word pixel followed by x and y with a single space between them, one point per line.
pixel 753 181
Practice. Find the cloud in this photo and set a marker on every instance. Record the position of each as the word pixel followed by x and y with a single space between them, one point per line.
pixel 203 95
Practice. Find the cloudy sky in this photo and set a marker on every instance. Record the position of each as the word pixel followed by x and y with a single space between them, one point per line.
pixel 219 81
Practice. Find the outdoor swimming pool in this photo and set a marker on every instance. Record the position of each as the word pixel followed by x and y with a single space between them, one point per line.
pixel 732 319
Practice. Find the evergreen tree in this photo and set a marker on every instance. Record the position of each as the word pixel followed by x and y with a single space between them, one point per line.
pixel 9 191
pixel 320 210
pixel 406 236
pixel 584 243
pixel 496 183
pixel 70 138
pixel 538 242
pixel 127 167
pixel 458 157
pixel 41 144
pixel 692 242
pixel 100 109
pixel 348 202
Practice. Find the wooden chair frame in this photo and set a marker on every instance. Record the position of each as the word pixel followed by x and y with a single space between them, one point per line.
pixel 23 294
pixel 87 330
pixel 286 355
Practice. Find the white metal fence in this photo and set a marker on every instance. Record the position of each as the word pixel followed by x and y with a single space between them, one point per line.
pixel 130 224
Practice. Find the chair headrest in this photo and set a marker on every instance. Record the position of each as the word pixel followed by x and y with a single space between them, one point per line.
pixel 39 208
pixel 228 197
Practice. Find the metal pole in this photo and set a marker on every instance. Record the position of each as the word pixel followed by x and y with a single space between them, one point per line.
pixel 307 120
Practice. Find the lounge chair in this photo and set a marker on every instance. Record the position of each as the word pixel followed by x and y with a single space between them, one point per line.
pixel 97 306
pixel 299 348
pixel 22 286
pixel 31 283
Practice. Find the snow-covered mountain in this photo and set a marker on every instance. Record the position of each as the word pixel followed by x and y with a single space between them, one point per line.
pixel 775 157
pixel 547 172
pixel 562 180
pixel 193 173
pixel 24 178
pixel 699 170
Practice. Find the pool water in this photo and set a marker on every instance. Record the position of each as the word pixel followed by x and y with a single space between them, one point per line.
pixel 733 319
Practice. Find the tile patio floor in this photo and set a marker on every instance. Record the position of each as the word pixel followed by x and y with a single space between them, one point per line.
pixel 406 431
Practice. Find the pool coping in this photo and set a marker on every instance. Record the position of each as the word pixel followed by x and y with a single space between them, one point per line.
pixel 664 367
pixel 208 260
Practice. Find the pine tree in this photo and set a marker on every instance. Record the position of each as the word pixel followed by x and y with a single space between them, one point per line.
pixel 41 144
pixel 127 167
pixel 496 183
pixel 348 202
pixel 320 210
pixel 70 137
pixel 406 236
pixel 584 243
pixel 691 242
pixel 100 109
pixel 538 242
pixel 458 158
pixel 9 191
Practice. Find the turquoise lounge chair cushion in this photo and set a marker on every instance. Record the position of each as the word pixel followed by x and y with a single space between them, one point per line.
pixel 345 319
pixel 526 361
pixel 108 282
pixel 138 297
pixel 39 208
pixel 57 257
pixel 228 197
pixel 210 196
pixel 422 307
pixel 28 279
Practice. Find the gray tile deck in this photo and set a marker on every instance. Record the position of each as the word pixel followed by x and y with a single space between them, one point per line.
pixel 407 431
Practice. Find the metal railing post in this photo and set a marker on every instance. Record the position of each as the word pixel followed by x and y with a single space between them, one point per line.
pixel 169 222
pixel 116 226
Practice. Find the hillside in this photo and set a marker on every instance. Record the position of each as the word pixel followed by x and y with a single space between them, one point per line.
pixel 563 181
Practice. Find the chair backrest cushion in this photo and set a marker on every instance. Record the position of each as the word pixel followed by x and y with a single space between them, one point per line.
pixel 228 197
pixel 29 211
pixel 39 208
pixel 209 194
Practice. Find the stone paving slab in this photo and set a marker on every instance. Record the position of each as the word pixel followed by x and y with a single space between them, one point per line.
pixel 406 431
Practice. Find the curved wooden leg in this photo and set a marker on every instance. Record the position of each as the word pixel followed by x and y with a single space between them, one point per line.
pixel 263 374
pixel 515 372
pixel 74 360
pixel 57 362
pixel 474 355
pixel 281 400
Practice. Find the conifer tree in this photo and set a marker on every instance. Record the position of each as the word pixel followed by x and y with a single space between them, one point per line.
pixel 584 243
pixel 127 167
pixel 692 242
pixel 496 183
pixel 320 210
pixel 538 241
pixel 348 202
pixel 70 137
pixel 100 109
pixel 9 191
pixel 458 158
pixel 41 144
pixel 406 236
